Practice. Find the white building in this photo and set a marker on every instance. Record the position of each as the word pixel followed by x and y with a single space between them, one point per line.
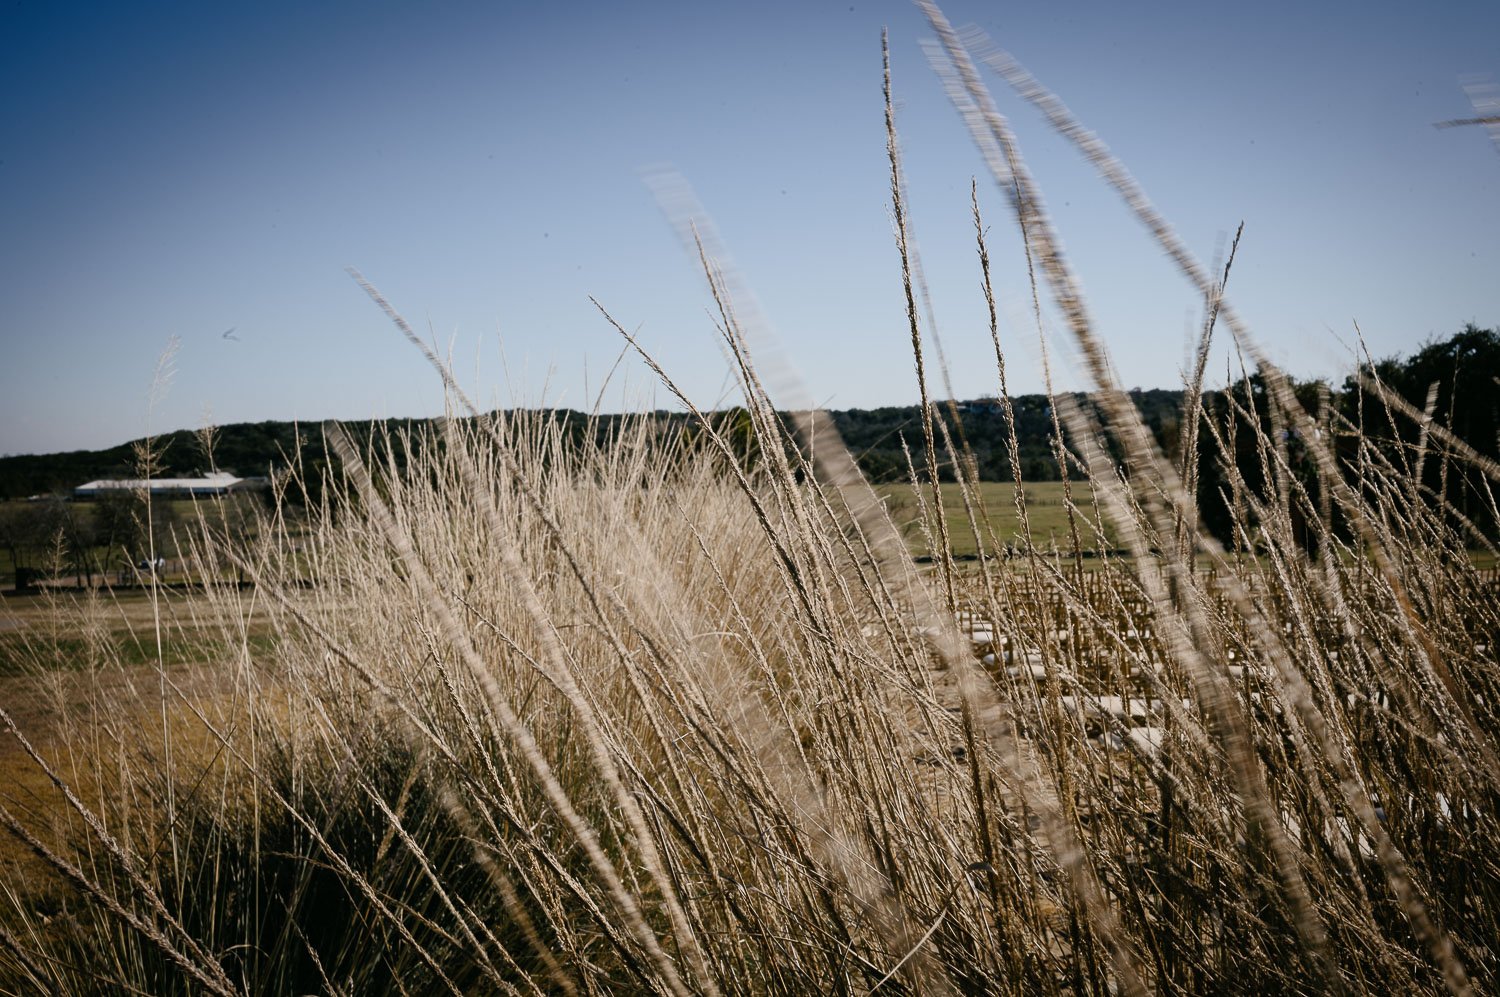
pixel 217 483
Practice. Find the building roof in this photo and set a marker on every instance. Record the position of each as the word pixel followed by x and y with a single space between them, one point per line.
pixel 218 481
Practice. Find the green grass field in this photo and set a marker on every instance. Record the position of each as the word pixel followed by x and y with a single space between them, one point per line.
pixel 997 515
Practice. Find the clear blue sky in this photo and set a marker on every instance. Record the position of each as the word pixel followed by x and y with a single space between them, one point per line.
pixel 177 170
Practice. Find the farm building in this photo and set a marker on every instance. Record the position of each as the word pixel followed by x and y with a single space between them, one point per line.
pixel 211 484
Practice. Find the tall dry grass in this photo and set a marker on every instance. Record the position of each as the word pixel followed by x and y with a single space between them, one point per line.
pixel 647 714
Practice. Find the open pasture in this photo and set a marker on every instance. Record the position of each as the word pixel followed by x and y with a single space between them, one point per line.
pixel 993 506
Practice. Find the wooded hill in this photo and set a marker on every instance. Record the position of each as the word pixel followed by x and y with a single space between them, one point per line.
pixel 1462 371
pixel 875 436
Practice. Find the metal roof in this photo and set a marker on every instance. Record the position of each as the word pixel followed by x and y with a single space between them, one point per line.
pixel 218 481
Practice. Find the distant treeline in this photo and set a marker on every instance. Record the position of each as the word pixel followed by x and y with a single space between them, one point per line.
pixel 875 436
pixel 1463 368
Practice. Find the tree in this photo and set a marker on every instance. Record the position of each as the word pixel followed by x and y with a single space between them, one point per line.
pixel 1463 371
pixel 120 526
pixel 43 538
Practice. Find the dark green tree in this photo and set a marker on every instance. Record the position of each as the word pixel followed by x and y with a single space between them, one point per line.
pixel 120 527
pixel 1462 370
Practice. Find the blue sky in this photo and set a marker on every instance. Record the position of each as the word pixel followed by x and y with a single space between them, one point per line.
pixel 176 170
